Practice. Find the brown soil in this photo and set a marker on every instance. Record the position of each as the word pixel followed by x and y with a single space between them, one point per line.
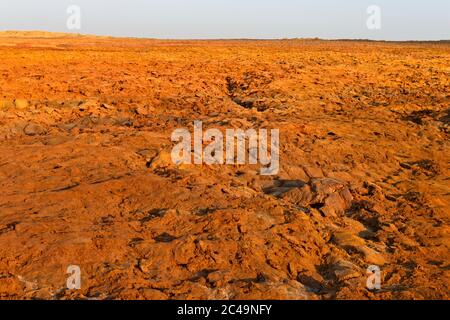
pixel 86 177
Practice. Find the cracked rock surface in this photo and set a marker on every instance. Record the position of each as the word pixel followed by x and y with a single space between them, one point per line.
pixel 86 176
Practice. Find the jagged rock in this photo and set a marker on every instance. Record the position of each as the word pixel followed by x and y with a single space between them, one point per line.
pixel 296 171
pixel 142 110
pixel 347 240
pixel 313 172
pixel 336 204
pixel 345 270
pixel 281 187
pixel 184 252
pixel 300 196
pixel 371 256
pixel 353 226
pixel 219 278
pixel 332 194
pixel 145 265
pixel 325 186
pixel 346 274
pixel 33 129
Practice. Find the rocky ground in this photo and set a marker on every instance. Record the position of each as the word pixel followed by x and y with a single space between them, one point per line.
pixel 86 176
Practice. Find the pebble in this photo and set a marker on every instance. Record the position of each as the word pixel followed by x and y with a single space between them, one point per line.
pixel 21 104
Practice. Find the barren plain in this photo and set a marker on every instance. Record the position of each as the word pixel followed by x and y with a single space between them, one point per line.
pixel 86 176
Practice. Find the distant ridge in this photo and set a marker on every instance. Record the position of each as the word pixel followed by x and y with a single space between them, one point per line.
pixel 36 34
pixel 43 34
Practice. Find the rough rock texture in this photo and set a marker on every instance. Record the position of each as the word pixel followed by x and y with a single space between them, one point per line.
pixel 86 176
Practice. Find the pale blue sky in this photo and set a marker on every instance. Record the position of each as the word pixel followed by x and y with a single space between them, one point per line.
pixel 330 19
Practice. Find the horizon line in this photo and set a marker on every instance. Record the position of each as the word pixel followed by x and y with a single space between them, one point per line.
pixel 78 34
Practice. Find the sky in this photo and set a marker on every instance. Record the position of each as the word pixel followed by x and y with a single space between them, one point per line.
pixel 221 19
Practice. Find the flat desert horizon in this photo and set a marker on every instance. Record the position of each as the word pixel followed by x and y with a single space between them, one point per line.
pixel 357 206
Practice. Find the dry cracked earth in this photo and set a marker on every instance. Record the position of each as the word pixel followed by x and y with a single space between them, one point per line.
pixel 86 176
